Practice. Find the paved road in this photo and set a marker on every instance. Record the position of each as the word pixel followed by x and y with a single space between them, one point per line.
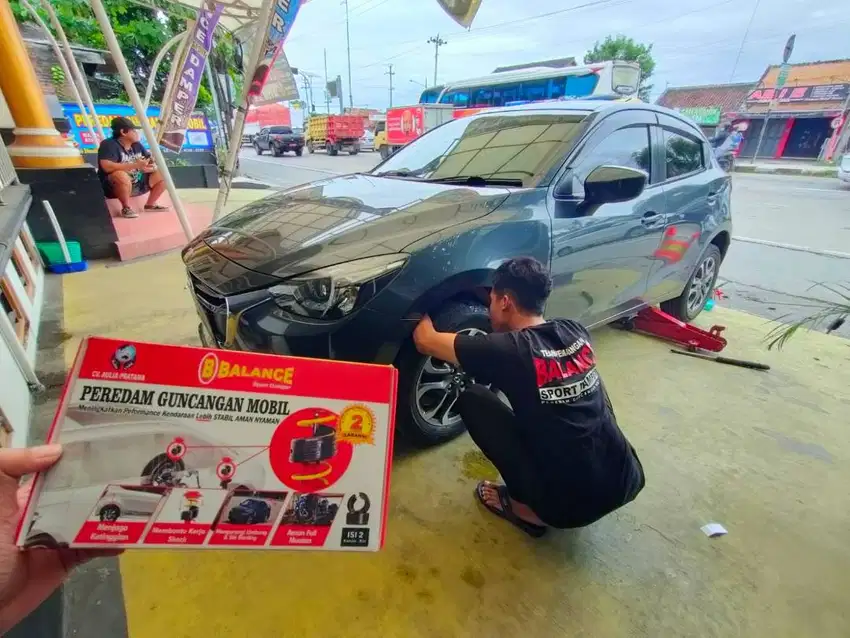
pixel 791 233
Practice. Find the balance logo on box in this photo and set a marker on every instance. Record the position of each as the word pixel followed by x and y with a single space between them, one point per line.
pixel 171 446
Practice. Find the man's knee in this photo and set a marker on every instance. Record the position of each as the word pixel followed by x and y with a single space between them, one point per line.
pixel 477 403
pixel 119 178
pixel 155 178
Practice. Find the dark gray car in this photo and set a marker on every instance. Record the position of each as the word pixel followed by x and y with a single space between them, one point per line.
pixel 625 203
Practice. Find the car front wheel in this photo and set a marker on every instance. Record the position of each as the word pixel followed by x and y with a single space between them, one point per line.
pixel 429 388
pixel 699 288
pixel 258 149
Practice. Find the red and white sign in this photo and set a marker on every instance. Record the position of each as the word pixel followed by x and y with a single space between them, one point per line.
pixel 405 124
pixel 171 446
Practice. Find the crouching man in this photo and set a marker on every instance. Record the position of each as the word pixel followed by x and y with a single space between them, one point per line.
pixel 125 168
pixel 564 461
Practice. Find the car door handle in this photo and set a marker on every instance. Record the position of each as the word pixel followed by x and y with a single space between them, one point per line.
pixel 651 219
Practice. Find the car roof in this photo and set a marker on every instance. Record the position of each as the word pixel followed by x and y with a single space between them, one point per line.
pixel 606 106
pixel 588 106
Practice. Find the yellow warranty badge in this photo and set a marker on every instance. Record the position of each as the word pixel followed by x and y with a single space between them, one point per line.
pixel 356 425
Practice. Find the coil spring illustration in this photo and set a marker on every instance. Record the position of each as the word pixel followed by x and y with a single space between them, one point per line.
pixel 315 449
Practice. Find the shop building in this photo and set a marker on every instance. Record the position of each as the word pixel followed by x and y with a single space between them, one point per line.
pixel 804 118
pixel 706 105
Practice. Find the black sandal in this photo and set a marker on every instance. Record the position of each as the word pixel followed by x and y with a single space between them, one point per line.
pixel 506 513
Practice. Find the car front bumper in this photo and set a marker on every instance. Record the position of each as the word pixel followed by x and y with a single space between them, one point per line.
pixel 844 175
pixel 365 336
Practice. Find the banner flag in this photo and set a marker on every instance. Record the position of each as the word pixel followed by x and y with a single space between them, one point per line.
pixel 461 11
pixel 178 107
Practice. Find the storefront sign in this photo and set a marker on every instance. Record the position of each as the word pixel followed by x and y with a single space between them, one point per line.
pixel 702 115
pixel 179 104
pixel 285 12
pixel 817 93
pixel 198 135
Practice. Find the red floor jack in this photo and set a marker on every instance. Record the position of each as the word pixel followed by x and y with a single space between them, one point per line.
pixel 695 341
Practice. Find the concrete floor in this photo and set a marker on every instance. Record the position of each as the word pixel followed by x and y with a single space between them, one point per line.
pixel 765 454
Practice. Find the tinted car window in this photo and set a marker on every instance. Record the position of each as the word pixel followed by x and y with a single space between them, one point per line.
pixel 280 130
pixel 683 154
pixel 520 146
pixel 627 147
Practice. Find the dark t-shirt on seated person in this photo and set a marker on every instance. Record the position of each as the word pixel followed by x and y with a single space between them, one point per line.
pixel 548 372
pixel 112 150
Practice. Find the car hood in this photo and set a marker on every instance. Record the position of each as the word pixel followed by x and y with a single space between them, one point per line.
pixel 340 219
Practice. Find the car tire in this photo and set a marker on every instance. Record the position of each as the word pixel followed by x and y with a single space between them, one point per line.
pixel 310 147
pixel 299 152
pixel 109 513
pixel 42 540
pixel 414 423
pixel 156 463
pixel 257 148
pixel 333 149
pixel 276 152
pixel 698 290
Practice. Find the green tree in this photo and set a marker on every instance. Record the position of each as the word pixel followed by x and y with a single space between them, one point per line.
pixel 621 47
pixel 141 32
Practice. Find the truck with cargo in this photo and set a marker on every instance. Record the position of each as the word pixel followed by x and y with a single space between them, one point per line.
pixel 335 133
pixel 406 123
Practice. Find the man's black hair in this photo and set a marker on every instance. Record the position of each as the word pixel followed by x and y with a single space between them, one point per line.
pixel 526 280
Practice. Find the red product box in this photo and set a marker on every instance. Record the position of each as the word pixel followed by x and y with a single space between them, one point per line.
pixel 171 446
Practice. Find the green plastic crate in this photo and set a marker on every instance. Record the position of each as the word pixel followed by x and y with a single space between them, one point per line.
pixel 51 252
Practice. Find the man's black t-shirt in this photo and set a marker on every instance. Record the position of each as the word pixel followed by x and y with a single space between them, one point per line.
pixel 112 150
pixel 548 372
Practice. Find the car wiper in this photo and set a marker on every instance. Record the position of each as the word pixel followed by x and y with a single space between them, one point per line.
pixel 477 180
pixel 400 173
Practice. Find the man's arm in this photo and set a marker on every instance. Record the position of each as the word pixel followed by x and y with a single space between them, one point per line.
pixel 440 345
pixel 109 159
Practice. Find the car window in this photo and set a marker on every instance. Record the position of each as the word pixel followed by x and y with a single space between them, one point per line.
pixel 627 147
pixel 263 131
pixel 280 130
pixel 520 146
pixel 682 154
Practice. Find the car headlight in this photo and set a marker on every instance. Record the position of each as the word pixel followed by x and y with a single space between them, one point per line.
pixel 336 291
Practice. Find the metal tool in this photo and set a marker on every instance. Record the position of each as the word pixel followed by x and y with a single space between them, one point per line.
pixel 741 363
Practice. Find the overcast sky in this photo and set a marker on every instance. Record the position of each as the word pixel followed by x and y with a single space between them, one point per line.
pixel 695 41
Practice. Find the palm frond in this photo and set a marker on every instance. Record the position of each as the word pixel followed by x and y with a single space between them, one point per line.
pixel 828 315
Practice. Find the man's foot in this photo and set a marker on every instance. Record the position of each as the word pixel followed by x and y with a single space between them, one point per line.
pixel 128 212
pixel 156 207
pixel 496 499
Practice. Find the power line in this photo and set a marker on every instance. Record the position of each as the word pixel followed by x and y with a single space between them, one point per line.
pixel 744 40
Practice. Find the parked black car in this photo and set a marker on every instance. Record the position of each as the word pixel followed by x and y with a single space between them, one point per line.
pixel 624 201
pixel 250 512
pixel 278 140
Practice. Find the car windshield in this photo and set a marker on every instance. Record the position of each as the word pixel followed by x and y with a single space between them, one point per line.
pixel 280 130
pixel 519 147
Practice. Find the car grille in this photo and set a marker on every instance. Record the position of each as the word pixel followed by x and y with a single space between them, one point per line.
pixel 212 305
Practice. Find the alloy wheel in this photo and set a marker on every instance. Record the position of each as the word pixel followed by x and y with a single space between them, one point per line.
pixel 438 387
pixel 701 285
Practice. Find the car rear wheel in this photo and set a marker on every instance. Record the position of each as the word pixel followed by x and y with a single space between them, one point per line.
pixel 276 151
pixel 429 388
pixel 299 152
pixel 699 288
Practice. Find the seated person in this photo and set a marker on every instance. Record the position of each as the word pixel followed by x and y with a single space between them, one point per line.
pixel 125 168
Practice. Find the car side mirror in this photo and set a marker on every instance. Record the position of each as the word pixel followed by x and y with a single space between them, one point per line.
pixel 612 184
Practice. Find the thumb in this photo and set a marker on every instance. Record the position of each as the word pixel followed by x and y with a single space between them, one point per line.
pixel 16 462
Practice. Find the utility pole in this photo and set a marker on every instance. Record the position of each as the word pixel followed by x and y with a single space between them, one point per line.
pixel 391 73
pixel 327 94
pixel 308 92
pixel 437 42
pixel 348 47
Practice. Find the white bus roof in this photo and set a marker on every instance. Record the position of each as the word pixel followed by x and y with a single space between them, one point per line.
pixel 538 73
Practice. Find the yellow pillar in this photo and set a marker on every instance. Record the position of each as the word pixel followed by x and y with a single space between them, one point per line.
pixel 37 142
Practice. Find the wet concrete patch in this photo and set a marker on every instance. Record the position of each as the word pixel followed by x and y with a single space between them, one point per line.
pixel 796 446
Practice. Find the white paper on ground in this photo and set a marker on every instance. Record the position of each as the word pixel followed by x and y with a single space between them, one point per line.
pixel 713 529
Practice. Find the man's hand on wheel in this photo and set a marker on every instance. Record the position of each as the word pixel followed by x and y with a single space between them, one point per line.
pixel 28 577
